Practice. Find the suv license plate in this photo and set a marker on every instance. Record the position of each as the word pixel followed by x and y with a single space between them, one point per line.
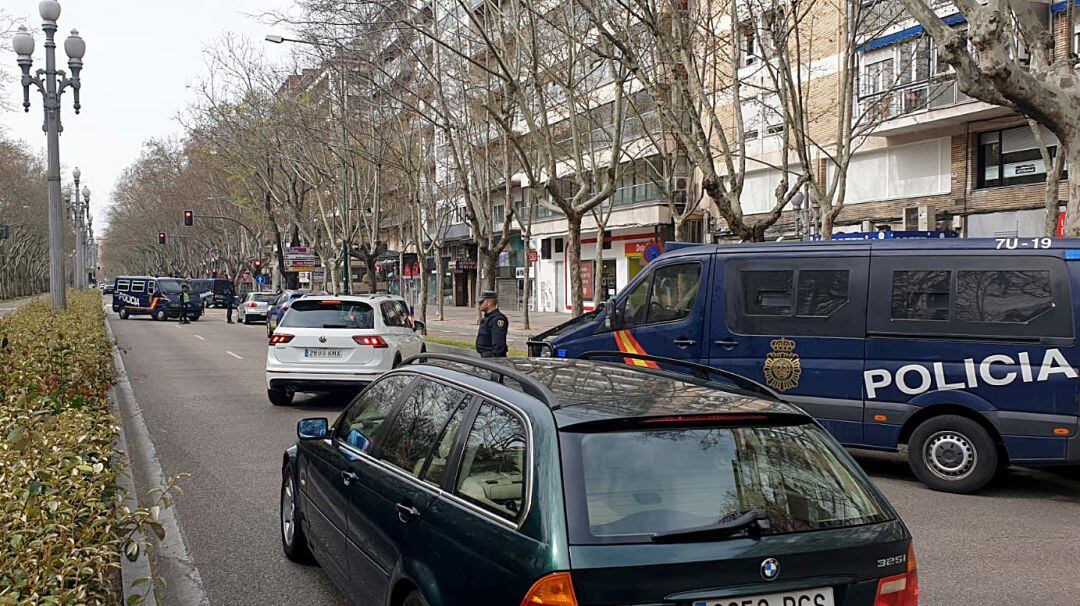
pixel 807 597
pixel 324 353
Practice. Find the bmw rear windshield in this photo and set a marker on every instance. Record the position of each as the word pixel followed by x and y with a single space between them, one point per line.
pixel 648 483
pixel 320 313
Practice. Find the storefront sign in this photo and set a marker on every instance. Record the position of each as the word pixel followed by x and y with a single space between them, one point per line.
pixel 587 280
pixel 1060 225
pixel 462 265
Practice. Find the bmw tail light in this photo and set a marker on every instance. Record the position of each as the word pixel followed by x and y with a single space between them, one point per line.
pixel 901 589
pixel 556 589
pixel 279 339
pixel 376 342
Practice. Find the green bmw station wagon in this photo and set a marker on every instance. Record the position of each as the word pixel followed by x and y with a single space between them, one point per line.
pixel 457 481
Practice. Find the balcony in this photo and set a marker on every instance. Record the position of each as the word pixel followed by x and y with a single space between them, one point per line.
pixel 924 105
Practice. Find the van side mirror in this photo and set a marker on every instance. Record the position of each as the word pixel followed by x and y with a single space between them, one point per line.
pixel 419 327
pixel 312 429
pixel 611 315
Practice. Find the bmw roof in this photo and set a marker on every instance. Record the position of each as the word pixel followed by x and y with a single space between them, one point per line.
pixel 585 391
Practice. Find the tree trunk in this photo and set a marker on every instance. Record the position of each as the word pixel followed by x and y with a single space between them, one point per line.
pixel 489 260
pixel 679 220
pixel 439 282
pixel 573 259
pixel 421 260
pixel 526 290
pixel 373 279
pixel 1052 201
pixel 598 270
pixel 1072 209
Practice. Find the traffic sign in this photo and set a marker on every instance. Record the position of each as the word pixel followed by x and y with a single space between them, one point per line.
pixel 652 251
pixel 261 279
pixel 533 257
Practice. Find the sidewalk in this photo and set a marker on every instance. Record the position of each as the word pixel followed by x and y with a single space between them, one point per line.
pixel 460 324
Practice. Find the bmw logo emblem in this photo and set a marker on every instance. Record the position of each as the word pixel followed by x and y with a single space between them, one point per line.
pixel 770 569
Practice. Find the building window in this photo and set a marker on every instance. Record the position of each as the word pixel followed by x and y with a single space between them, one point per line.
pixel 559 246
pixel 606 237
pixel 1012 157
pixel 545 248
pixel 748 51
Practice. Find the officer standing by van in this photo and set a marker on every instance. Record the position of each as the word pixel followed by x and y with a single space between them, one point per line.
pixel 491 338
pixel 230 304
pixel 185 302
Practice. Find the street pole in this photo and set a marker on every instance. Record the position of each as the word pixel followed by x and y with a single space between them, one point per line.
pixel 51 88
pixel 80 263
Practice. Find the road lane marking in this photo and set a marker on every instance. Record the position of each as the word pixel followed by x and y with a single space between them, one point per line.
pixel 199 338
pixel 233 355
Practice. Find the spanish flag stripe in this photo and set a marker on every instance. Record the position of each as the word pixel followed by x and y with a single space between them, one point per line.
pixel 632 346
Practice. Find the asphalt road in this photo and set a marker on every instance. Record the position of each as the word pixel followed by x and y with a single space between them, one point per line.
pixel 203 399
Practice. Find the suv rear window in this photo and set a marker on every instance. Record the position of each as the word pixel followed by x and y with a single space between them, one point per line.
pixel 316 313
pixel 624 486
pixel 267 298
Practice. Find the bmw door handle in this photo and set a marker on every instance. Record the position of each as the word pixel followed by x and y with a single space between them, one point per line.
pixel 684 343
pixel 727 343
pixel 348 477
pixel 407 513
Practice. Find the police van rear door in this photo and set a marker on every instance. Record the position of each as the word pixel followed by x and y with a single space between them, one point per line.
pixel 992 330
pixel 796 320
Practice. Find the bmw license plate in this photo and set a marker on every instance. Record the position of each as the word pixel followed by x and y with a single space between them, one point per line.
pixel 323 353
pixel 806 597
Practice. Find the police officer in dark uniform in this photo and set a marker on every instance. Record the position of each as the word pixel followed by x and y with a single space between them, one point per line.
pixel 230 305
pixel 491 338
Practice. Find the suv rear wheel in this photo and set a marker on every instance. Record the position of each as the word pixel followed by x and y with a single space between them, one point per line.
pixel 280 397
pixel 951 453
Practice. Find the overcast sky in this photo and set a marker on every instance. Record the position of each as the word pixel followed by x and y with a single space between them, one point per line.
pixel 141 57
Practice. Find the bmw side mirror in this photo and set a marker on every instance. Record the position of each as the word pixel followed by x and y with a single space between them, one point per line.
pixel 611 315
pixel 312 429
pixel 419 327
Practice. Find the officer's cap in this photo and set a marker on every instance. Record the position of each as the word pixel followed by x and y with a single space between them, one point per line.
pixel 488 294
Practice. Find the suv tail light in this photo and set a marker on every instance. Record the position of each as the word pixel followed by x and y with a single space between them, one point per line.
pixel 252 304
pixel 278 339
pixel 901 589
pixel 376 342
pixel 555 589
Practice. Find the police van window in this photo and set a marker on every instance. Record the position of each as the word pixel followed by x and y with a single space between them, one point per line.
pixel 123 285
pixel 634 311
pixel 138 286
pixel 821 292
pixel 920 295
pixel 767 293
pixel 674 291
pixel 1002 296
pixel 150 286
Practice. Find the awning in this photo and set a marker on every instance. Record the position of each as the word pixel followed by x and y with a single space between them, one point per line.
pixel 1059 7
pixel 911 32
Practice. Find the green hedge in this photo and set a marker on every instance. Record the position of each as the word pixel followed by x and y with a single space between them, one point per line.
pixel 59 539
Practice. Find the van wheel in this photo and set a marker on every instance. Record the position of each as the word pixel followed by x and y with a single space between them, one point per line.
pixel 280 397
pixel 293 540
pixel 415 599
pixel 159 315
pixel 951 453
pixel 123 313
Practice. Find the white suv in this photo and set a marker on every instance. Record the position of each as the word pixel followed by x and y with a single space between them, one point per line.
pixel 329 343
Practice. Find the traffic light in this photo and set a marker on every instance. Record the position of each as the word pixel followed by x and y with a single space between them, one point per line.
pixel 189 218
pixel 213 272
pixel 258 265
pixel 161 238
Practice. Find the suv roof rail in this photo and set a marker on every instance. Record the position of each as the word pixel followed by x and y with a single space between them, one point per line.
pixel 701 371
pixel 529 385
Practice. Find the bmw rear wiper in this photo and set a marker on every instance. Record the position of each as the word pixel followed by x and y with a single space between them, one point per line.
pixel 752 520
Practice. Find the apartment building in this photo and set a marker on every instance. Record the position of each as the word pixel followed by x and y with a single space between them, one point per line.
pixel 935 159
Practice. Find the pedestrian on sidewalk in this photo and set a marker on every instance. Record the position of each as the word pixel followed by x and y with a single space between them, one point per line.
pixel 185 301
pixel 230 304
pixel 491 338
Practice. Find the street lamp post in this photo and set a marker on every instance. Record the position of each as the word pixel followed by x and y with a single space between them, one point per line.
pixel 76 207
pixel 51 83
pixel 88 236
pixel 346 265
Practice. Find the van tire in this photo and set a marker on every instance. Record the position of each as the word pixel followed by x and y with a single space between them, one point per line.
pixel 123 313
pixel 951 453
pixel 280 397
pixel 160 316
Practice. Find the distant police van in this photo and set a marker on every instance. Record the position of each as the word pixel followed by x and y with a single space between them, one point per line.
pixel 962 349
pixel 158 298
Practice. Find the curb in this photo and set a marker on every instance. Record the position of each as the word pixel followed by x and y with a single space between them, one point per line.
pixel 140 568
pixel 172 559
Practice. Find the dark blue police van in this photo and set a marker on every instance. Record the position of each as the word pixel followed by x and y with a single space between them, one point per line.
pixel 962 349
pixel 158 298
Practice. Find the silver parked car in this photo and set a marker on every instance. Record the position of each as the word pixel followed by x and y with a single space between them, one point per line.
pixel 254 307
